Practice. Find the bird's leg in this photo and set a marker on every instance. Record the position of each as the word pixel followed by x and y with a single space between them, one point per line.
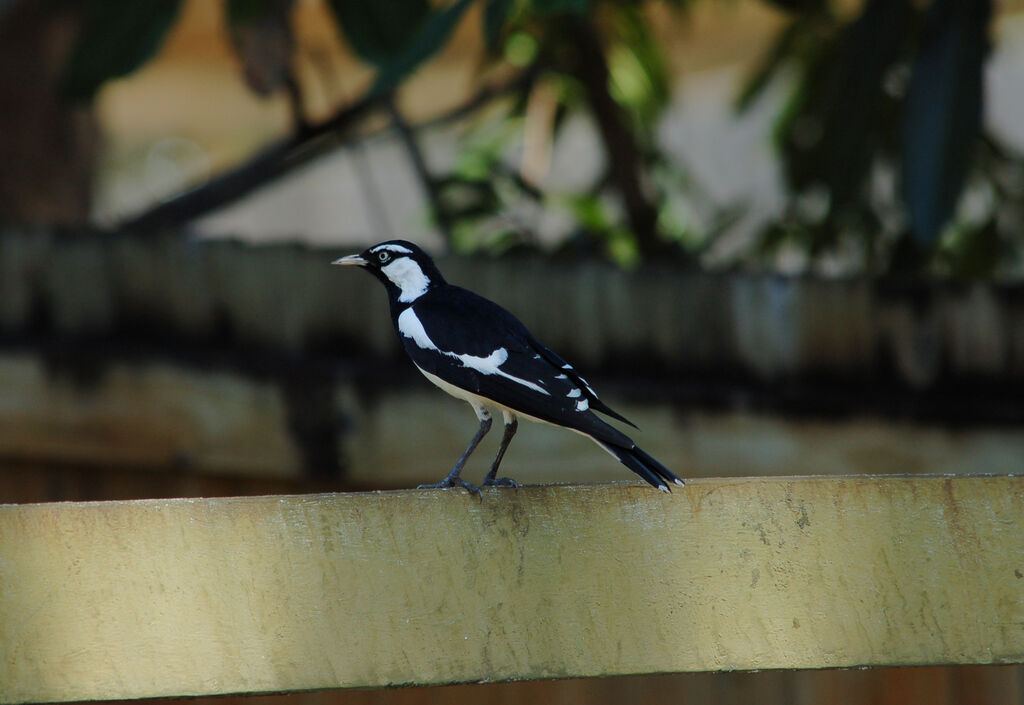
pixel 453 479
pixel 511 424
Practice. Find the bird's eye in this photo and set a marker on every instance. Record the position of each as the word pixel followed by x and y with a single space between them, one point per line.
pixel 383 257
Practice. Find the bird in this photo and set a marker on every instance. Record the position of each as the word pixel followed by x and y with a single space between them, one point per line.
pixel 477 351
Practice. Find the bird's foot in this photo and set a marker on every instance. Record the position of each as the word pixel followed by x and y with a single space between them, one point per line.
pixel 500 482
pixel 451 482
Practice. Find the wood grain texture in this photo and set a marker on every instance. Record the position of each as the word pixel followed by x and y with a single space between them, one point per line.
pixel 189 597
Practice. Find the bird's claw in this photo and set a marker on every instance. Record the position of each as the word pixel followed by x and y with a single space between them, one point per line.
pixel 451 482
pixel 500 482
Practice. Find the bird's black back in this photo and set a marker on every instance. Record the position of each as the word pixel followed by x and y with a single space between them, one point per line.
pixel 460 322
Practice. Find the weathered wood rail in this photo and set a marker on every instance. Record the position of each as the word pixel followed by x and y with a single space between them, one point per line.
pixel 111 600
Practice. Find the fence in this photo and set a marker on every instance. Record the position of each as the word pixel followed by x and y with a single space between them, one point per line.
pixel 157 366
pixel 219 356
pixel 282 593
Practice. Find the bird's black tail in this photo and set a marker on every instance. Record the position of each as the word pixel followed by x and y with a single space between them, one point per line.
pixel 644 465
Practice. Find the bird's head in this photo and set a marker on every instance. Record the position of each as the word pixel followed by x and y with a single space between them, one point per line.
pixel 405 269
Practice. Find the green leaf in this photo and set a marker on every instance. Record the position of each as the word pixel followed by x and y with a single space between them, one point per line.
pixel 800 5
pixel 245 11
pixel 975 253
pixel 431 36
pixel 380 30
pixel 590 212
pixel 561 7
pixel 943 115
pixel 834 126
pixel 496 14
pixel 870 48
pixel 465 198
pixel 521 49
pixel 117 38
pixel 639 73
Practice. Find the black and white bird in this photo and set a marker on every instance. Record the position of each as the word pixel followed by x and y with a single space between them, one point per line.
pixel 477 351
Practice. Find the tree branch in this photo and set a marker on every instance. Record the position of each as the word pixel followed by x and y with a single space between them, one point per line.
pixel 282 157
pixel 269 164
pixel 407 135
pixel 625 162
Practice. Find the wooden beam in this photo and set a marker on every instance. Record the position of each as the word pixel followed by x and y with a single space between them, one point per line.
pixel 111 600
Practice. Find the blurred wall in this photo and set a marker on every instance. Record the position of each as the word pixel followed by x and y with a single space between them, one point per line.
pixel 224 358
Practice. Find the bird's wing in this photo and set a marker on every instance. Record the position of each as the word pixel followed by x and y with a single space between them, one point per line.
pixel 476 345
pixel 577 379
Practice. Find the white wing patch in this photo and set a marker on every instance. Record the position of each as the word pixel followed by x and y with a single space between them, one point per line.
pixel 410 326
pixel 582 405
pixel 589 388
pixel 574 392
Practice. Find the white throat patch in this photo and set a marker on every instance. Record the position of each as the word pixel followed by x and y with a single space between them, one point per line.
pixel 407 276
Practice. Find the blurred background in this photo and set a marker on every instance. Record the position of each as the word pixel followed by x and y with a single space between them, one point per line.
pixel 782 236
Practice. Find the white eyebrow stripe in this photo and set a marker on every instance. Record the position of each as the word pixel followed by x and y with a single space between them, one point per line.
pixel 410 326
pixel 393 248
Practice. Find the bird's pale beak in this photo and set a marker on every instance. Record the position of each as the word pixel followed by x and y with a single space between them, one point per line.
pixel 356 260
